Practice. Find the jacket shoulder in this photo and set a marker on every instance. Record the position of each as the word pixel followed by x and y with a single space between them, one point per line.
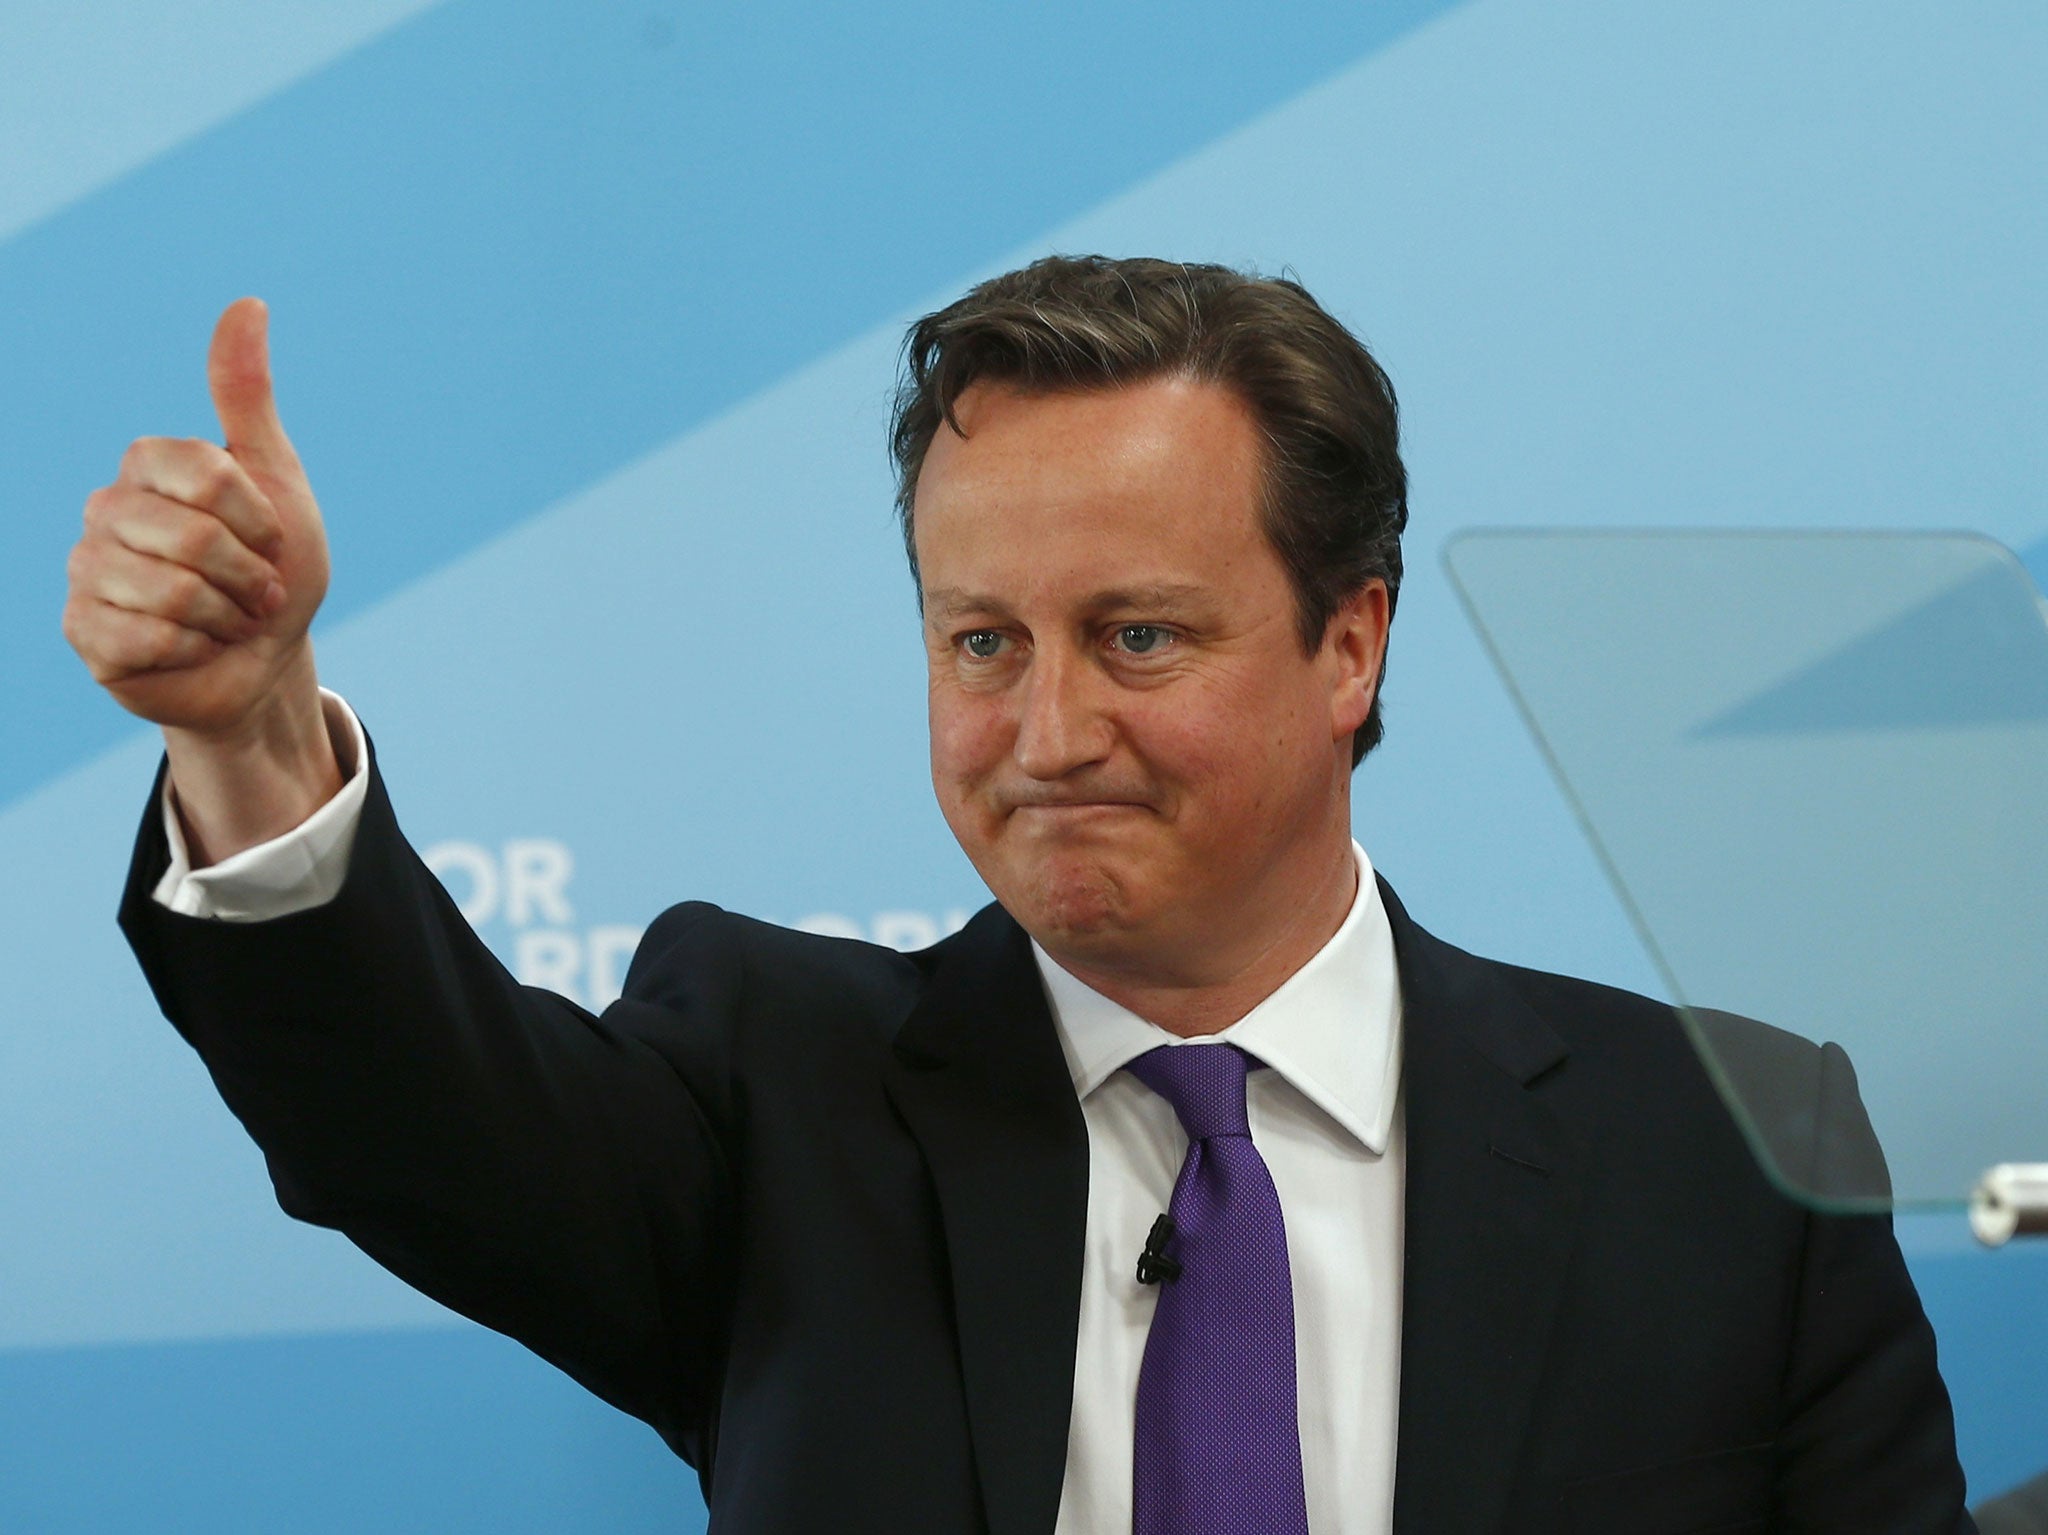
pixel 1793 1100
pixel 696 954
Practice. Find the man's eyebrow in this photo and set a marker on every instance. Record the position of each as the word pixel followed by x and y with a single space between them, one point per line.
pixel 949 601
pixel 1152 596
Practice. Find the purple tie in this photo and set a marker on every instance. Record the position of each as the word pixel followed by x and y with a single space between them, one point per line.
pixel 1218 1448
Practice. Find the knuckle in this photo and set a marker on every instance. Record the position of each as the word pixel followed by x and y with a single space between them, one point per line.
pixel 195 540
pixel 141 453
pixel 183 594
pixel 89 639
pixel 217 481
pixel 157 645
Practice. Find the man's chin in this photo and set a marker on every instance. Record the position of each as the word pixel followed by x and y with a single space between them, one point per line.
pixel 1083 909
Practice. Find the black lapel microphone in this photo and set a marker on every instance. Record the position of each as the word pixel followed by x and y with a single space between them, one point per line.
pixel 1153 1264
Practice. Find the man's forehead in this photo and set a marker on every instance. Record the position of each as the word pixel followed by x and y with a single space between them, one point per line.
pixel 1139 500
pixel 1080 440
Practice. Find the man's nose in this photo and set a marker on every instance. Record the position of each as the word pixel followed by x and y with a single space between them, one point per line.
pixel 1062 723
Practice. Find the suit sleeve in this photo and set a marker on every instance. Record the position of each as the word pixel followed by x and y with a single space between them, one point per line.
pixel 1867 1442
pixel 557 1176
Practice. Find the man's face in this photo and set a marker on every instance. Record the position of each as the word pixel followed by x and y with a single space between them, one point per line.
pixel 1127 737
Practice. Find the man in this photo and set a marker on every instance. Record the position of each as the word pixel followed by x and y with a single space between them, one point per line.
pixel 1192 1187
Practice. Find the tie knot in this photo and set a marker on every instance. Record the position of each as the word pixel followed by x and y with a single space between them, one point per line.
pixel 1204 1083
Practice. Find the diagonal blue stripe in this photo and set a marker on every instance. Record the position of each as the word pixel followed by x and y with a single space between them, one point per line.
pixel 517 242
pixel 1976 655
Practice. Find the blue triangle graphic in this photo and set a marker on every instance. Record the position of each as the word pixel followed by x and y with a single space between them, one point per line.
pixel 1975 655
pixel 514 244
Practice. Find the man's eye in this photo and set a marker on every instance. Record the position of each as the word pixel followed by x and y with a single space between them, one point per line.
pixel 1142 639
pixel 982 643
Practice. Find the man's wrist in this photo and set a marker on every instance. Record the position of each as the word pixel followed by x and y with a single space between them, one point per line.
pixel 237 789
pixel 304 868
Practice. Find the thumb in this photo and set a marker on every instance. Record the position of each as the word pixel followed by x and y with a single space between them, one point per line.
pixel 238 373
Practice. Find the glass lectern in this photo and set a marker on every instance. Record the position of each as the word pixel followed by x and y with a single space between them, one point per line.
pixel 1815 766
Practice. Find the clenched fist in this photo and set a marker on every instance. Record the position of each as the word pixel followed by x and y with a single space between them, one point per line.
pixel 202 566
pixel 191 592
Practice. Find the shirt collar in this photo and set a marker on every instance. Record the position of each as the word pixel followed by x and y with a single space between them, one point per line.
pixel 1332 1029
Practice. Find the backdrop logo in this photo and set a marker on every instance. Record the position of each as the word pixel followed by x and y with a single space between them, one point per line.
pixel 517 898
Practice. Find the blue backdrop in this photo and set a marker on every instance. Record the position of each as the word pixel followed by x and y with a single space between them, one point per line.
pixel 585 319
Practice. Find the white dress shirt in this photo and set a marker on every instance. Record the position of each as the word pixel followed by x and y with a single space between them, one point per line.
pixel 1325 1116
pixel 302 869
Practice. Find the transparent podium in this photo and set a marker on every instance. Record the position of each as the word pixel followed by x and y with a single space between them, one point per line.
pixel 1815 766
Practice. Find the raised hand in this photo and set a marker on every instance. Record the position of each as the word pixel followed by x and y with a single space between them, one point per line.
pixel 202 566
pixel 191 591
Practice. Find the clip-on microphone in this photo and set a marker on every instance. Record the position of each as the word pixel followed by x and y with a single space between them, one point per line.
pixel 1153 1263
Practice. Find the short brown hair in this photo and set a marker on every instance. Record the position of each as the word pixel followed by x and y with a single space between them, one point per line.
pixel 1335 495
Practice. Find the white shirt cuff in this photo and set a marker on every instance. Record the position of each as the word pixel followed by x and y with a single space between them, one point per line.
pixel 302 869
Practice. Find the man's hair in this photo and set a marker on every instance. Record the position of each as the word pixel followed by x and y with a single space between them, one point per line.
pixel 1334 497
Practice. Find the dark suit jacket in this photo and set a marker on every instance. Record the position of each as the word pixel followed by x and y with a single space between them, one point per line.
pixel 814 1209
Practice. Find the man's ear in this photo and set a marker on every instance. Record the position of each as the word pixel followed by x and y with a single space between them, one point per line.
pixel 1356 644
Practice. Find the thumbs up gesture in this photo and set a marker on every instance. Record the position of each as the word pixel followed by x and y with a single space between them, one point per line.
pixel 201 566
pixel 190 595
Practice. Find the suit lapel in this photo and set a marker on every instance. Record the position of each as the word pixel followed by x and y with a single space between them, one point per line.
pixel 980 1080
pixel 1492 1197
pixel 1492 1200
